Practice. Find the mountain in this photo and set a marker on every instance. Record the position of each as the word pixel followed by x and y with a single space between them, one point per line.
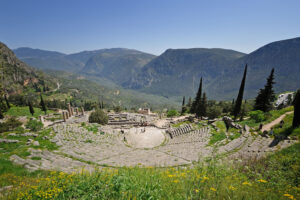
pixel 283 56
pixel 118 65
pixel 21 79
pixel 106 63
pixel 43 59
pixel 177 72
pixel 18 77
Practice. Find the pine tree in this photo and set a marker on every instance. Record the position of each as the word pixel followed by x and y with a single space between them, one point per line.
pixel 239 99
pixel 197 100
pixel 183 107
pixel 296 104
pixel 6 100
pixel 44 108
pixel 102 105
pixel 266 95
pixel 31 110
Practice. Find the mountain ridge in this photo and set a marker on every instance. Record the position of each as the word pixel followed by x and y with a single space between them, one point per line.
pixel 176 72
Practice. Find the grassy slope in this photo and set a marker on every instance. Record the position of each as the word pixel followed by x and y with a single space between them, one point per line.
pixel 276 177
pixel 271 116
pixel 19 111
pixel 287 127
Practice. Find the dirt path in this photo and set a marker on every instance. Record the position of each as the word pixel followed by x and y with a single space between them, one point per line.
pixel 58 86
pixel 268 126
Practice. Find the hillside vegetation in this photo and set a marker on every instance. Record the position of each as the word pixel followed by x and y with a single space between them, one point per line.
pixel 275 177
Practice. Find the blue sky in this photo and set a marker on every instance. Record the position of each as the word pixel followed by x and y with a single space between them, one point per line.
pixel 147 25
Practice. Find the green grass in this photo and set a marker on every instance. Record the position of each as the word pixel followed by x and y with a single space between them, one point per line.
pixel 221 133
pixel 218 135
pixel 19 111
pixel 36 158
pixel 21 148
pixel 270 116
pixel 271 178
pixel 91 128
pixel 287 129
pixel 274 114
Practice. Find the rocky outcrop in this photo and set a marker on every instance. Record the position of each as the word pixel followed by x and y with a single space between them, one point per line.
pixel 230 123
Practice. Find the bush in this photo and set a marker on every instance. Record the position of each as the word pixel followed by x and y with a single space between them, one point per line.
pixel 214 112
pixel 34 125
pixel 117 109
pixel 98 117
pixel 257 116
pixel 172 113
pixel 10 124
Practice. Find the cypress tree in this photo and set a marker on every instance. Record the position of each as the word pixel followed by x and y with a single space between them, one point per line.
pixel 31 110
pixel 189 102
pixel 296 104
pixel 6 100
pixel 183 107
pixel 266 95
pixel 44 108
pixel 201 109
pixel 1 114
pixel 239 99
pixel 197 100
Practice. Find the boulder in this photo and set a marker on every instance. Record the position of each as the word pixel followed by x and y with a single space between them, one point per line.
pixel 230 123
pixel 36 143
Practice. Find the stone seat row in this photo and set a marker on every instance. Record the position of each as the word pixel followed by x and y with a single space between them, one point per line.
pixel 179 131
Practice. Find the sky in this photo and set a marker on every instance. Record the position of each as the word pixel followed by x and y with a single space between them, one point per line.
pixel 151 26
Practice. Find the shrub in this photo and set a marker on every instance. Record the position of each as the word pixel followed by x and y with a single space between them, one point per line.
pixel 257 116
pixel 214 111
pixel 34 125
pixel 99 117
pixel 10 124
pixel 117 109
pixel 20 129
pixel 172 113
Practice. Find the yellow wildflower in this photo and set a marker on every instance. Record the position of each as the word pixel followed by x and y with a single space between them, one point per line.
pixel 196 190
pixel 246 183
pixel 204 179
pixel 262 181
pixel 296 188
pixel 289 196
pixel 232 188
pixel 213 189
pixel 176 181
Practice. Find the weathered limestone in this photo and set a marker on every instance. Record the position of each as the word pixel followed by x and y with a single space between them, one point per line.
pixel 29 134
pixel 64 116
pixel 82 110
pixel 41 118
pixel 229 123
pixel 36 143
pixel 180 131
pixel 69 110
pixel 8 141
